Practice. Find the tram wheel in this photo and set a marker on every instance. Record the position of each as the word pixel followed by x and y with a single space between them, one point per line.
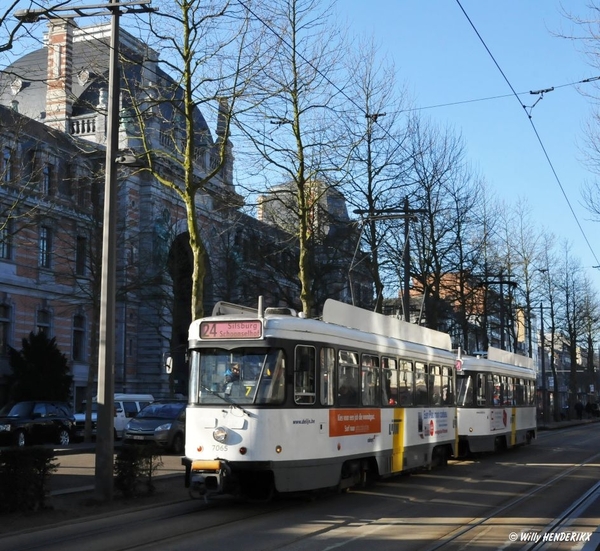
pixel 499 444
pixel 259 489
pixel 439 457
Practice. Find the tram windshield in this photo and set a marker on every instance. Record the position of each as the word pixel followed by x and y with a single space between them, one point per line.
pixel 464 392
pixel 239 376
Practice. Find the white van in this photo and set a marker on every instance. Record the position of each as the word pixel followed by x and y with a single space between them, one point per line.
pixel 126 407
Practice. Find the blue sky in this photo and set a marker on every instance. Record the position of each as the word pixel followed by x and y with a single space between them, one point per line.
pixel 441 60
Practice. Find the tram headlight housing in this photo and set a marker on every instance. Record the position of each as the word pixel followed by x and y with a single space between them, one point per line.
pixel 220 434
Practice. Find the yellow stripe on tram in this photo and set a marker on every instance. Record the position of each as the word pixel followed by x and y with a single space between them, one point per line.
pixel 398 440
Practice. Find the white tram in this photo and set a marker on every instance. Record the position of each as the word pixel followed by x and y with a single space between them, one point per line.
pixel 495 401
pixel 279 403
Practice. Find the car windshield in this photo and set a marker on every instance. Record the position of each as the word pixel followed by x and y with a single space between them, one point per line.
pixel 20 409
pixel 239 376
pixel 161 411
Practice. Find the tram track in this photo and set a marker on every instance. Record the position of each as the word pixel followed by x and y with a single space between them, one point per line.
pixel 469 531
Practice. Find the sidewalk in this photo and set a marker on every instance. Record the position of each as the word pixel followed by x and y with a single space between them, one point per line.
pixel 554 425
pixel 77 466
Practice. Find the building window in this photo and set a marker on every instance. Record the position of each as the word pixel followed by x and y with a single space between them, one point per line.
pixel 4 329
pixel 78 338
pixel 47 179
pixel 43 322
pixel 31 164
pixel 80 255
pixel 65 180
pixel 7 159
pixel 6 240
pixel 45 246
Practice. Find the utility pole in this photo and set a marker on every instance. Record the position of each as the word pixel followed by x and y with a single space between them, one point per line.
pixel 106 347
pixel 501 281
pixel 543 352
pixel 406 263
pixel 408 215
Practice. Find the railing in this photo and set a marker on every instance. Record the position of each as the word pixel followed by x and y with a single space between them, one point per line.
pixel 83 126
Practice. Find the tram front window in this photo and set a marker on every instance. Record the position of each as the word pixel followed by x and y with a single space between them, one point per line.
pixel 241 376
pixel 464 391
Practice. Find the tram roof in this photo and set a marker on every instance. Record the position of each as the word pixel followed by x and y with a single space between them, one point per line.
pixel 342 321
pixel 347 315
pixel 500 361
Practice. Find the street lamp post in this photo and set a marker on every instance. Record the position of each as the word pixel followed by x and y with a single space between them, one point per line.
pixel 106 347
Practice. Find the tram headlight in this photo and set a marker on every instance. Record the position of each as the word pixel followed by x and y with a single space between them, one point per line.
pixel 220 434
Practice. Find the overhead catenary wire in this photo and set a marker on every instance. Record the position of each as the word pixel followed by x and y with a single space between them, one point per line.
pixel 530 118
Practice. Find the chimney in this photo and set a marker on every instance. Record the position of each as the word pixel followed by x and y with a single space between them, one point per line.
pixel 59 100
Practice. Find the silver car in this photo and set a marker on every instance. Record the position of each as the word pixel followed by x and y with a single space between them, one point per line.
pixel 162 423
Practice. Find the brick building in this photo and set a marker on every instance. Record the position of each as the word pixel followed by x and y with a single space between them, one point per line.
pixel 52 138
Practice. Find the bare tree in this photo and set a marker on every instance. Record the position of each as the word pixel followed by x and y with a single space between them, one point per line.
pixel 442 181
pixel 571 314
pixel 379 165
pixel 293 123
pixel 524 244
pixel 208 50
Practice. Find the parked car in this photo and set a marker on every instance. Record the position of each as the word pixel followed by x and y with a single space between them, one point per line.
pixel 126 407
pixel 162 423
pixel 36 422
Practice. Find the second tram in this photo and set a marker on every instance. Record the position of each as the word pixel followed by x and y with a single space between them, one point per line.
pixel 495 401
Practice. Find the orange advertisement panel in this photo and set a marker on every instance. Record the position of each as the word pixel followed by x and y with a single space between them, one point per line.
pixel 346 422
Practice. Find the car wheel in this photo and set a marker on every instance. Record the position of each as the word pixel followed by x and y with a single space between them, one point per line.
pixel 20 439
pixel 63 437
pixel 178 445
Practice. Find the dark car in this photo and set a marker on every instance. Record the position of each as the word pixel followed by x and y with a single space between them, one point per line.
pixel 36 422
pixel 162 423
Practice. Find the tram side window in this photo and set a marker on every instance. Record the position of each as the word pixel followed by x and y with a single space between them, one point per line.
pixel 406 380
pixel 482 390
pixel 389 377
pixel 304 375
pixel 435 385
pixel 507 388
pixel 496 390
pixel 421 376
pixel 531 400
pixel 348 378
pixel 327 367
pixel 520 392
pixel 448 395
pixel 370 380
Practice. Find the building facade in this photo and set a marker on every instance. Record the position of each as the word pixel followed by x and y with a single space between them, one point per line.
pixel 53 119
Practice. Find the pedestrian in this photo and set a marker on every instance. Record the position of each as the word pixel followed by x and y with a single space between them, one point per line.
pixel 579 410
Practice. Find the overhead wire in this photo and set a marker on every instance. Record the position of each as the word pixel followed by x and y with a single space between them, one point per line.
pixel 530 118
pixel 502 96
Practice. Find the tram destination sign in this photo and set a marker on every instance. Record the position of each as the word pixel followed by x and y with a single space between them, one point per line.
pixel 251 329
